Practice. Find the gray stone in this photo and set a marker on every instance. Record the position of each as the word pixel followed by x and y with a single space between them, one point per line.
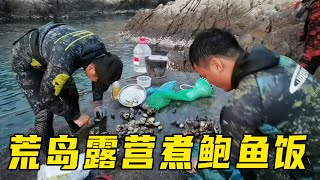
pixel 254 22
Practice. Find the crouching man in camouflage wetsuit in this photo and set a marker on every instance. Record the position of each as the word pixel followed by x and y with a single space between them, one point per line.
pixel 44 60
pixel 272 94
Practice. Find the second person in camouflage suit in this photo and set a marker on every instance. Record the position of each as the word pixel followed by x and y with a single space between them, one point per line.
pixel 272 95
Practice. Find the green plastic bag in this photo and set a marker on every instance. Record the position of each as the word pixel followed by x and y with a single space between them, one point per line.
pixel 161 99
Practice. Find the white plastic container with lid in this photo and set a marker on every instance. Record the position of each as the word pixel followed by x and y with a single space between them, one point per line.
pixel 144 81
pixel 140 52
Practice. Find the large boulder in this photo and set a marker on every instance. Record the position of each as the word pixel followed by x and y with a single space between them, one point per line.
pixel 268 22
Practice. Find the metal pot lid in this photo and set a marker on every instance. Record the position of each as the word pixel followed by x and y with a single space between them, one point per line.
pixel 132 95
pixel 157 58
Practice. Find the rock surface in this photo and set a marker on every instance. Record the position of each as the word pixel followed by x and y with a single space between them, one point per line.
pixel 267 22
pixel 58 8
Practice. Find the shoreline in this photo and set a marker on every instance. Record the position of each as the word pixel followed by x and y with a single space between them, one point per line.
pixel 57 9
pixel 79 14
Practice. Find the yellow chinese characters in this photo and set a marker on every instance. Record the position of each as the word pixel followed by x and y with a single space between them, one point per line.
pixel 294 152
pixel 62 151
pixel 101 152
pixel 214 152
pixel 254 152
pixel 138 152
pixel 25 150
pixel 177 153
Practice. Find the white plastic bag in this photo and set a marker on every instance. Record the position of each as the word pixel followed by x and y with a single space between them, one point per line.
pixel 54 172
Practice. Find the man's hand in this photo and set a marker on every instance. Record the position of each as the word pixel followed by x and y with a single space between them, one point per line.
pixel 98 109
pixel 84 120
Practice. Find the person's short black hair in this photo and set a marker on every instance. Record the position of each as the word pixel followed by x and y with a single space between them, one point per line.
pixel 213 42
pixel 109 68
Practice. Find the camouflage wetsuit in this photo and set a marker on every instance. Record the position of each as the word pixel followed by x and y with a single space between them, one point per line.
pixel 273 91
pixel 311 34
pixel 46 77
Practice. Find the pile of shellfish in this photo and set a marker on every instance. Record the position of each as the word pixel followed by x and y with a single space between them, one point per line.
pixel 144 125
pixel 198 126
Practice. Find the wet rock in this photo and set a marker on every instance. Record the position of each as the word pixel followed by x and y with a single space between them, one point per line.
pixel 159 128
pixel 174 111
pixel 113 116
pixel 145 115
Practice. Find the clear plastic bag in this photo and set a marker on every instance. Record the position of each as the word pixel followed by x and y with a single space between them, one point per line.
pixel 54 172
